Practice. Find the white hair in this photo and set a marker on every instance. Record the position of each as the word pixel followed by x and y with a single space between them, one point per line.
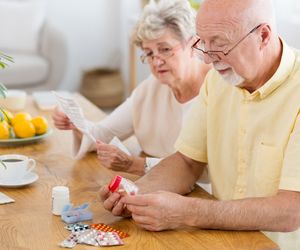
pixel 174 15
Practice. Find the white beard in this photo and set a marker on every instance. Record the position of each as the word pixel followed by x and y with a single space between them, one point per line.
pixel 231 76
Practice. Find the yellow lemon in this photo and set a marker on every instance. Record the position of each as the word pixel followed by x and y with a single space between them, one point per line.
pixel 4 130
pixel 22 116
pixel 24 129
pixel 41 125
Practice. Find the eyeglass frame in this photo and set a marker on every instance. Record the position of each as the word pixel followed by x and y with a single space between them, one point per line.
pixel 144 57
pixel 211 53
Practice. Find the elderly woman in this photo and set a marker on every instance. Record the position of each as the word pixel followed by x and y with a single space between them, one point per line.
pixel 156 110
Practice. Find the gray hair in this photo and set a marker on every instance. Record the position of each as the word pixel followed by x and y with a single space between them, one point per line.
pixel 175 15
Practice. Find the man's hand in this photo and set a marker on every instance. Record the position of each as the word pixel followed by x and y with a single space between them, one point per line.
pixel 113 203
pixel 157 211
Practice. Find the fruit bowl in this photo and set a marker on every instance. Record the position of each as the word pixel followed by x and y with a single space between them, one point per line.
pixel 23 141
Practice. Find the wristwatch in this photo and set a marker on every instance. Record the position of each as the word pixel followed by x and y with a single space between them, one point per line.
pixel 150 162
pixel 147 166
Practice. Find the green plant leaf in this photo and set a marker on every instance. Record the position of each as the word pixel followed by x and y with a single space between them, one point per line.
pixel 6 57
pixel 3 115
pixel 3 90
pixel 3 64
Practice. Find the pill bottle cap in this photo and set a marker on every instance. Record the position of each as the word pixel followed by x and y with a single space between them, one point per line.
pixel 114 184
pixel 60 191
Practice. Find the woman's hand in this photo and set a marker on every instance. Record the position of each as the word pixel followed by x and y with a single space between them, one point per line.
pixel 112 157
pixel 115 159
pixel 61 121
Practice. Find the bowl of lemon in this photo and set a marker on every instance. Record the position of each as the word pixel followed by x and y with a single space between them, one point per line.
pixel 22 128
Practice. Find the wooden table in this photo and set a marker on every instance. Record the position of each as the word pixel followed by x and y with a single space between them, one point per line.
pixel 29 224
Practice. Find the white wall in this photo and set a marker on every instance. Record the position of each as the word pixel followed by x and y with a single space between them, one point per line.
pixel 97 33
pixel 130 10
pixel 288 21
pixel 92 32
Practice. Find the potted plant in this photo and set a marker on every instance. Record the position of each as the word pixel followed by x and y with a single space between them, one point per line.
pixel 4 59
pixel 3 63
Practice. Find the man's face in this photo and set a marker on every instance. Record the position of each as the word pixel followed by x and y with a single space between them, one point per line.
pixel 241 57
pixel 228 73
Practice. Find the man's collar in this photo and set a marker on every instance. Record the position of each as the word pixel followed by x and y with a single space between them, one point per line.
pixel 285 67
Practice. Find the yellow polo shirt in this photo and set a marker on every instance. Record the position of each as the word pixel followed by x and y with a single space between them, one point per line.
pixel 251 142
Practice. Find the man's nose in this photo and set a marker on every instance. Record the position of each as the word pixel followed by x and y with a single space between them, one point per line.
pixel 207 58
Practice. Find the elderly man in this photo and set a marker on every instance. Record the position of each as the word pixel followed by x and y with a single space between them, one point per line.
pixel 251 137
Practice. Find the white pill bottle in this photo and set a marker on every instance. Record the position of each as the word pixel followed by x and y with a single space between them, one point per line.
pixel 60 198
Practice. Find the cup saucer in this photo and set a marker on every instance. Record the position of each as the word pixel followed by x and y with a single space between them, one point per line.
pixel 27 179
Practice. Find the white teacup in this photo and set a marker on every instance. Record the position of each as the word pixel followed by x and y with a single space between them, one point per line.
pixel 16 167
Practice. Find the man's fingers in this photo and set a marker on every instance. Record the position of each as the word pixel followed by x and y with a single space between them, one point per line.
pixel 110 202
pixel 104 193
pixel 138 210
pixel 137 200
pixel 118 208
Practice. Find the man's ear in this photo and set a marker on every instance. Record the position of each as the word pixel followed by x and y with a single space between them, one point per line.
pixel 265 35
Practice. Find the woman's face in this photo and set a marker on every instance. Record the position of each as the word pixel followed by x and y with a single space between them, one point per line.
pixel 168 58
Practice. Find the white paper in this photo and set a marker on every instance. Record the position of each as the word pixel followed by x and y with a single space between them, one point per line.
pixel 75 114
pixel 116 142
pixel 5 199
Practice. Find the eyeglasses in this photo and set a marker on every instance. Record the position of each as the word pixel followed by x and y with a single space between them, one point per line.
pixel 163 54
pixel 217 54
